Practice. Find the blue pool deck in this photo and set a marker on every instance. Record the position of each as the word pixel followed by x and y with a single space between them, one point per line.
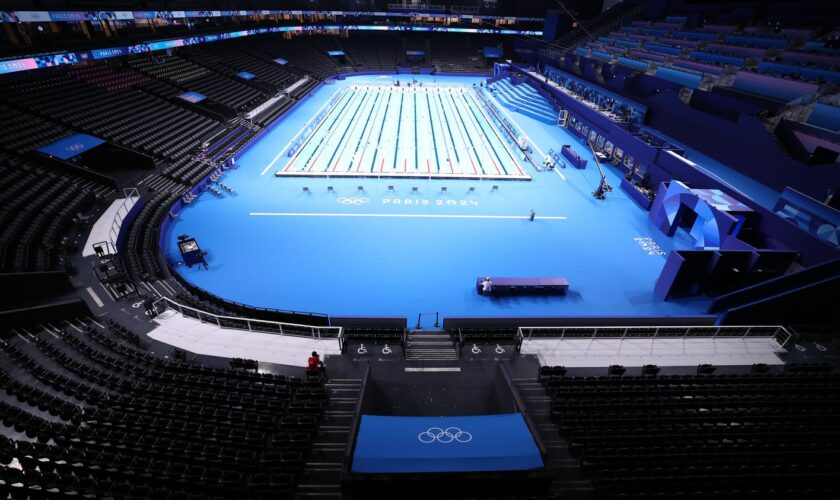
pixel 383 251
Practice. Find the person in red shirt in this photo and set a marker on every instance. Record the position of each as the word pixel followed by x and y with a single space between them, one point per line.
pixel 314 365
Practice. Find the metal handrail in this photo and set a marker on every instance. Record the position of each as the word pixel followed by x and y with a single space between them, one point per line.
pixel 354 424
pixel 253 325
pixel 778 332
pixel 519 404
pixel 132 195
pixel 519 339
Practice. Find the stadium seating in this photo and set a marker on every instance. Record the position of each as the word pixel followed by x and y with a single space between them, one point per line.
pixel 39 206
pixel 712 49
pixel 129 117
pixel 23 132
pixel 90 414
pixel 142 261
pixel 372 53
pixel 193 77
pixel 302 54
pixel 761 435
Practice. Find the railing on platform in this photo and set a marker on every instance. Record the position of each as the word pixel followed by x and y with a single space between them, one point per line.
pixel 252 325
pixel 519 339
pixel 131 197
pixel 264 106
pixel 520 406
pixel 350 445
pixel 298 83
pixel 777 332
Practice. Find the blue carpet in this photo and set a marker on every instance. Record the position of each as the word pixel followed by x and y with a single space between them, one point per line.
pixel 390 264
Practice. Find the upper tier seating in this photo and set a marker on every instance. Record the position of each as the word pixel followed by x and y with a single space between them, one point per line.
pixel 128 117
pixel 300 53
pixel 715 51
pixel 192 77
pixel 23 132
pixel 236 58
pixel 372 53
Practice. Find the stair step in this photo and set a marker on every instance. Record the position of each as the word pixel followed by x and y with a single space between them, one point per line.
pixel 431 353
pixel 425 358
pixel 415 352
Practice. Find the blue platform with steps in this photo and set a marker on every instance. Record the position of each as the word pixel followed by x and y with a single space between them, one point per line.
pixel 524 99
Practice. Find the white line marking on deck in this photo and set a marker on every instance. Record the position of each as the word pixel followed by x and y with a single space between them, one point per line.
pixel 409 216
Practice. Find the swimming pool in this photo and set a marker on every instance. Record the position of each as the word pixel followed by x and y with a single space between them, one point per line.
pixel 349 245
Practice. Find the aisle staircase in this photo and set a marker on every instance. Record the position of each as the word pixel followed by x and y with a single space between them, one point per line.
pixel 321 475
pixel 569 480
pixel 430 346
pixel 524 99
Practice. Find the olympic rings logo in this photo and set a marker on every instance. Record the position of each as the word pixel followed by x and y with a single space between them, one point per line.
pixel 444 436
pixel 353 201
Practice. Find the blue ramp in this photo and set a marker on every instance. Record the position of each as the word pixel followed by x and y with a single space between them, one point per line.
pixel 388 445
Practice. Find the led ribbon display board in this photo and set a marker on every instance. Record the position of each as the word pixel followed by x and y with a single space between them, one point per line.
pixel 62 58
pixel 40 16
